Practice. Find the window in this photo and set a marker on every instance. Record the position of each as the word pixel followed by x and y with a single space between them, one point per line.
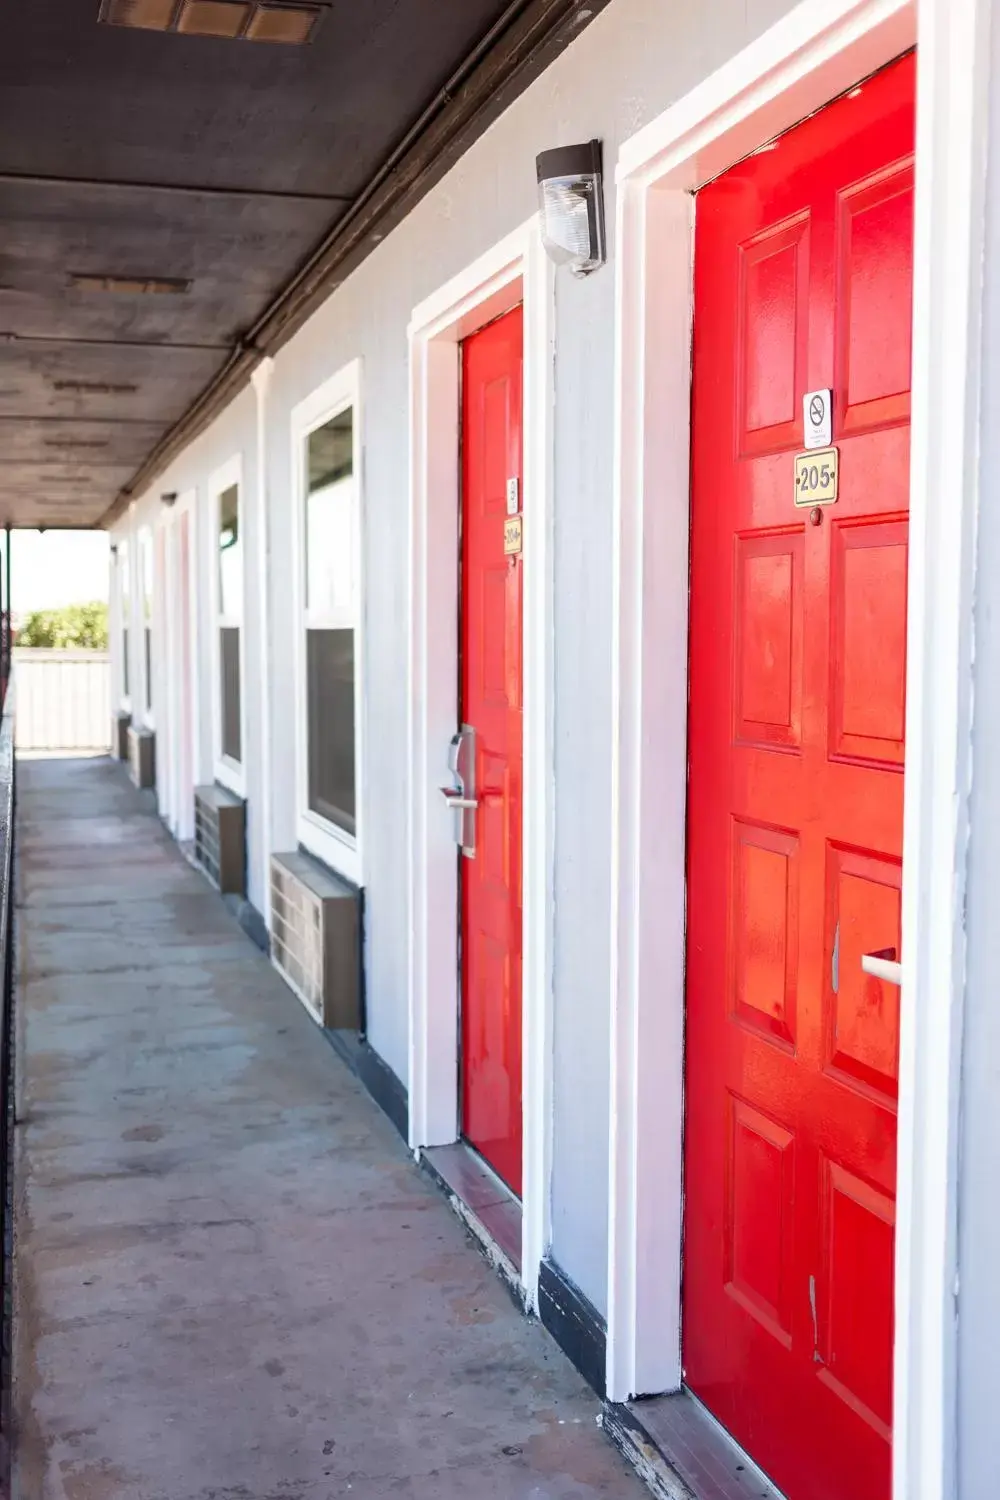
pixel 146 586
pixel 229 585
pixel 326 429
pixel 125 607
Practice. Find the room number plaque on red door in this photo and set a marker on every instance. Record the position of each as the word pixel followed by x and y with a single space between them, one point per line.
pixel 817 477
pixel 512 536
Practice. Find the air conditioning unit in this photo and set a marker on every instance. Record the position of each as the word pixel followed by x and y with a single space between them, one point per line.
pixel 220 839
pixel 141 756
pixel 119 734
pixel 316 939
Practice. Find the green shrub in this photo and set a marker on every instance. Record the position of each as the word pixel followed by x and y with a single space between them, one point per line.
pixel 81 627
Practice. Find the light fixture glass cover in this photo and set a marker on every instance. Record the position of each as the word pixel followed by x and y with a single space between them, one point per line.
pixel 571 206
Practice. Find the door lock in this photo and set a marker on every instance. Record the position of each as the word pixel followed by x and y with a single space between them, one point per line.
pixel 461 797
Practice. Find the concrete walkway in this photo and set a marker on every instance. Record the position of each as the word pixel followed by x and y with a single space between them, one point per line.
pixel 232 1281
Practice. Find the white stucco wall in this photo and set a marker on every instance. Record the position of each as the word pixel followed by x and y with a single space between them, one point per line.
pixel 635 59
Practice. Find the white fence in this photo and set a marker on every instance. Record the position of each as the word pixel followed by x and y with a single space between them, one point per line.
pixel 63 700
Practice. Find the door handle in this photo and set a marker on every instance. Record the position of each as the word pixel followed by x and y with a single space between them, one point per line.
pixel 461 798
pixel 882 964
pixel 454 798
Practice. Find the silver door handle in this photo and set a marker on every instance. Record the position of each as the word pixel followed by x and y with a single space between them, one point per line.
pixel 454 798
pixel 461 797
pixel 883 965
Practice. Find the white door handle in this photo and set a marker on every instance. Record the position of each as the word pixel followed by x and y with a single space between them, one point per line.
pixel 883 965
pixel 454 798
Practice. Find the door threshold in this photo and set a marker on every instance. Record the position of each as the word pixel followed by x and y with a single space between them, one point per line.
pixel 681 1451
pixel 483 1202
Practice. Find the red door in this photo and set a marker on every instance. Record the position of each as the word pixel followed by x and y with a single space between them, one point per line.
pixel 803 268
pixel 491 705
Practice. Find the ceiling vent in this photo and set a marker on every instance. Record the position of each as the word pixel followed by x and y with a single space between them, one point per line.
pixel 235 20
pixel 93 388
pixel 76 444
pixel 132 286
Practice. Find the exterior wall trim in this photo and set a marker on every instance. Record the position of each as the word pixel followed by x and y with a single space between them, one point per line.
pixel 819 49
pixel 514 270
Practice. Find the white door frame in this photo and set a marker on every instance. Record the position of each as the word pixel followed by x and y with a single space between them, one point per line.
pixel 818 50
pixel 515 270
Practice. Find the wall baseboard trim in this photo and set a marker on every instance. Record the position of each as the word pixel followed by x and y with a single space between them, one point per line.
pixel 574 1323
pixel 378 1078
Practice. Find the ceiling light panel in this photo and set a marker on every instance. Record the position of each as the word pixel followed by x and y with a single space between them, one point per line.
pixel 289 24
pixel 132 286
pixel 292 25
pixel 147 15
pixel 213 18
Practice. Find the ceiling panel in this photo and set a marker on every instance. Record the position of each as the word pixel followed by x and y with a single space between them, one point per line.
pixel 218 164
pixel 85 100
pixel 44 379
pixel 22 439
pixel 235 252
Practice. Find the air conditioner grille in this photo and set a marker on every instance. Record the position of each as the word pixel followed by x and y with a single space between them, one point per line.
pixel 141 756
pixel 314 939
pixel 220 838
pixel 120 723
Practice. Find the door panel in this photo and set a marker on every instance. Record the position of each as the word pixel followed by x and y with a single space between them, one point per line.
pixel 492 706
pixel 803 279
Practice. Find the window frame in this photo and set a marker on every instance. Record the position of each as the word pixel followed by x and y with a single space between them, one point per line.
pixel 123 560
pixel 146 595
pixel 342 851
pixel 227 771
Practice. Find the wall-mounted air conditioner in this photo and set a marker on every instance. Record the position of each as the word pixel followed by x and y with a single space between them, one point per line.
pixel 220 842
pixel 120 723
pixel 141 756
pixel 316 938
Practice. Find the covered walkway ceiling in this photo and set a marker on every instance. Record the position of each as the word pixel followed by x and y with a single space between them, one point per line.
pixel 174 204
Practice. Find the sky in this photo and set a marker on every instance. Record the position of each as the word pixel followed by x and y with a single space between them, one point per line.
pixel 52 568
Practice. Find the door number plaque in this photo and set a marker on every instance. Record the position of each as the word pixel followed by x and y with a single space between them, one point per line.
pixel 512 536
pixel 817 477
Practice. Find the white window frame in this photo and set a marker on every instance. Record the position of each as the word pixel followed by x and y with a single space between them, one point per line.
pixel 145 547
pixel 815 52
pixel 124 600
pixel 228 772
pixel 516 270
pixel 334 846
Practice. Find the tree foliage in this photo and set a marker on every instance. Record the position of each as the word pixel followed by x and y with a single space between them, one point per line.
pixel 79 627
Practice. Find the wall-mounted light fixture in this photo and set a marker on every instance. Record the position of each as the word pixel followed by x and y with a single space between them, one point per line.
pixel 571 205
pixel 169 498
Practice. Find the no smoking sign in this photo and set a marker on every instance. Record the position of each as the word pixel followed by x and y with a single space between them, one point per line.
pixel 817 418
